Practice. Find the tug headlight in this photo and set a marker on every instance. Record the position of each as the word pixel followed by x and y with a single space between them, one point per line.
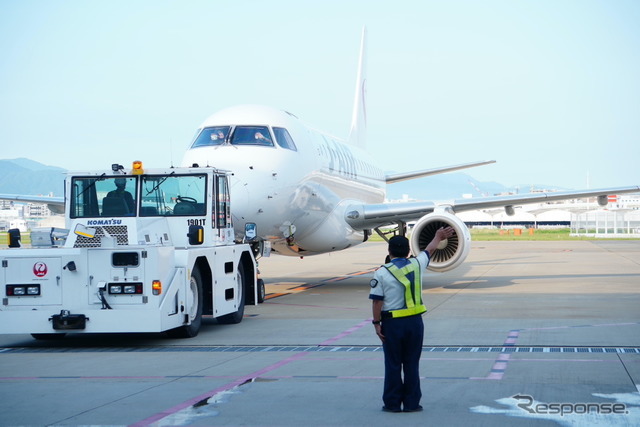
pixel 22 290
pixel 125 288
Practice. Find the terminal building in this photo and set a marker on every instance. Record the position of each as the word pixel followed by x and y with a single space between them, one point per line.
pixel 619 218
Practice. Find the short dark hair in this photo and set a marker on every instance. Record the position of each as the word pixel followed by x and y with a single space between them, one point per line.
pixel 399 246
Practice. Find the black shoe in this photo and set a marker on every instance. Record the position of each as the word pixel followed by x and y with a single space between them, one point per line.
pixel 385 409
pixel 417 409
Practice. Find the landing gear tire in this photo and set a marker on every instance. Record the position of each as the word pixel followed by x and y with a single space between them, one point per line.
pixel 237 316
pixel 194 307
pixel 48 337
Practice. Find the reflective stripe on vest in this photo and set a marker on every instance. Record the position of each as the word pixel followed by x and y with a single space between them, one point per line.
pixel 412 291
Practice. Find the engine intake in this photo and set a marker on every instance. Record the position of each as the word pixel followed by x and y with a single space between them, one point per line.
pixel 451 252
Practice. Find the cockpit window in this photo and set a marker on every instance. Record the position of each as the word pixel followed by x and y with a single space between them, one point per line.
pixel 283 139
pixel 251 135
pixel 216 135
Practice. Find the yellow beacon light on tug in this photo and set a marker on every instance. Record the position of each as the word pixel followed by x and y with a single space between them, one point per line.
pixel 136 168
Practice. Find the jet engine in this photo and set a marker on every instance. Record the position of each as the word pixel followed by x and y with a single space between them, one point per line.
pixel 451 252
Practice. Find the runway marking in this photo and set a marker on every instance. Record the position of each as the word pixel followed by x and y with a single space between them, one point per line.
pixel 276 295
pixel 295 287
pixel 308 359
pixel 501 363
pixel 347 332
pixel 323 348
pixel 317 306
pixel 598 325
pixel 203 399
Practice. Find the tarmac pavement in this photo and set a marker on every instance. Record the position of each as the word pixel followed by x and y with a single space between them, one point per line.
pixel 524 333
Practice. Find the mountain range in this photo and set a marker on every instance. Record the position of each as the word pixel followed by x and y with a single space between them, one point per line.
pixel 28 177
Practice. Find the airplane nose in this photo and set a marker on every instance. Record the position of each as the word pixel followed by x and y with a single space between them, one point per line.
pixel 239 200
pixel 253 181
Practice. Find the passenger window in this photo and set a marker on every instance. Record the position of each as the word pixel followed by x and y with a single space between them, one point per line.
pixel 283 139
pixel 251 135
pixel 211 136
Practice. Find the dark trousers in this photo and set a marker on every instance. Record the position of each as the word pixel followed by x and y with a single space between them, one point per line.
pixel 402 349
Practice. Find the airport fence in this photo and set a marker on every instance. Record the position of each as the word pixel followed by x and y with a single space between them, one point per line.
pixel 606 224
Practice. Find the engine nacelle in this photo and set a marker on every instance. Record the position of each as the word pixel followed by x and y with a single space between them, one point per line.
pixel 451 252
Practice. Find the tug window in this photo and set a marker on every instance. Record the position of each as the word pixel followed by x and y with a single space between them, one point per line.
pixel 174 195
pixel 112 196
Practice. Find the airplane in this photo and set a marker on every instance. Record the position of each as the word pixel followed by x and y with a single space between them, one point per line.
pixel 305 192
pixel 310 193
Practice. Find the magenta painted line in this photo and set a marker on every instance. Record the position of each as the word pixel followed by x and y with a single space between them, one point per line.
pixel 616 361
pixel 502 361
pixel 314 306
pixel 207 395
pixel 583 326
pixel 112 377
pixel 347 332
pixel 512 338
pixel 457 359
pixel 493 376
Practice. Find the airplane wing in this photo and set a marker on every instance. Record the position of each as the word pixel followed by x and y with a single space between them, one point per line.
pixel 55 204
pixel 375 215
pixel 390 179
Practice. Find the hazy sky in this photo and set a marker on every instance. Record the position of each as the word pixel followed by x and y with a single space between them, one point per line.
pixel 549 88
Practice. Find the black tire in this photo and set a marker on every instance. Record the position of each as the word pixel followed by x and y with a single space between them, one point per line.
pixel 195 309
pixel 48 337
pixel 261 291
pixel 237 316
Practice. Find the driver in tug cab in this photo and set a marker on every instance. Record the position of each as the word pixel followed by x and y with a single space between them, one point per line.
pixel 121 192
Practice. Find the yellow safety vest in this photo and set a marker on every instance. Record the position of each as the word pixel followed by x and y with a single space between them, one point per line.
pixel 413 291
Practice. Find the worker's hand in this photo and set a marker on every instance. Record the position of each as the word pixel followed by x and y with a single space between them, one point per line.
pixel 379 332
pixel 445 232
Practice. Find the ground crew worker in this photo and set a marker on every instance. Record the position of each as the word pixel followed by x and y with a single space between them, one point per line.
pixel 396 291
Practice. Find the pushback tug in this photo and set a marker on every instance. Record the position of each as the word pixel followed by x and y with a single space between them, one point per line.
pixel 142 251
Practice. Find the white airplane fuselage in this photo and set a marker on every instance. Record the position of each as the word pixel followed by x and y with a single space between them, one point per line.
pixel 296 197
